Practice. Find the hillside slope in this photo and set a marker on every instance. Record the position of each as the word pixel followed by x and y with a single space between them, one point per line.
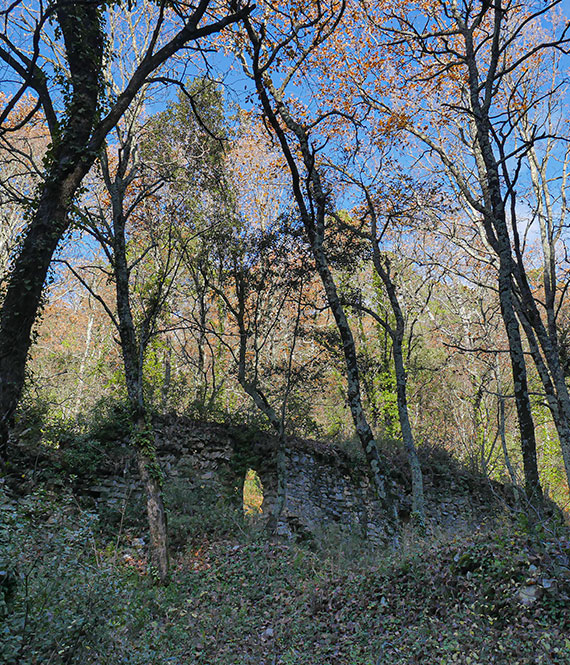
pixel 75 587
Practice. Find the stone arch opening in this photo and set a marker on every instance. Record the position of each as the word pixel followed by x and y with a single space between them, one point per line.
pixel 252 493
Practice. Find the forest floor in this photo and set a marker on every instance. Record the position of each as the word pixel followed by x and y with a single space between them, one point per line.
pixel 73 591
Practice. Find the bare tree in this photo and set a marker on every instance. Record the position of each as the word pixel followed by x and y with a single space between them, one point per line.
pixel 481 50
pixel 260 280
pixel 153 205
pixel 386 209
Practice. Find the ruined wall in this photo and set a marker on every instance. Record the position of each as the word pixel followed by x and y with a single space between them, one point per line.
pixel 326 488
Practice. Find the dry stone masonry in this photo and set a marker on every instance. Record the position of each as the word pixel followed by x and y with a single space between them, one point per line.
pixel 327 489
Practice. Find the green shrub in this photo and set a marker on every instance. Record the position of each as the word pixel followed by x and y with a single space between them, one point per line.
pixel 56 596
pixel 109 421
pixel 196 512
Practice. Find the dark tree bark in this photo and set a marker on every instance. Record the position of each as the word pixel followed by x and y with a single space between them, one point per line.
pixel 134 336
pixel 76 141
pixel 82 32
pixel 495 225
pixel 312 202
pixel 483 62
pixel 382 268
pixel 133 351
pixel 397 336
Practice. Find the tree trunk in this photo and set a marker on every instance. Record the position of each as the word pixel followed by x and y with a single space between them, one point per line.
pixel 503 435
pixel 24 293
pixel 133 355
pixel 278 424
pixel 397 335
pixel 544 336
pixel 70 161
pixel 143 440
pixel 556 393
pixel 418 500
pixel 83 365
pixel 363 430
pixel 272 524
pixel 312 201
pixel 149 470
pixel 533 488
pixel 495 224
pixel 76 142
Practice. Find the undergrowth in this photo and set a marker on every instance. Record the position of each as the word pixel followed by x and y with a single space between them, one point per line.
pixel 69 596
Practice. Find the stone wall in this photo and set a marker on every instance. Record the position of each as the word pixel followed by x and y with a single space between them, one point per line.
pixel 326 488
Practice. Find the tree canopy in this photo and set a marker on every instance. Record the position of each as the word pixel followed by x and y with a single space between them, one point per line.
pixel 344 221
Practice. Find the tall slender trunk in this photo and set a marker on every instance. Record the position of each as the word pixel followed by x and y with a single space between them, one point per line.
pixel 478 427
pixel 495 225
pixel 83 364
pixel 556 392
pixel 260 400
pixel 363 430
pixel 497 231
pixel 543 344
pixel 543 336
pixel 418 499
pixel 143 438
pixel 166 381
pixel 503 431
pixel 313 199
pixel 533 487
pixel 151 478
pixel 278 502
pixel 382 268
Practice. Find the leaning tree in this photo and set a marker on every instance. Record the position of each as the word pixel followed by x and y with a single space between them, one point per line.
pixel 57 61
